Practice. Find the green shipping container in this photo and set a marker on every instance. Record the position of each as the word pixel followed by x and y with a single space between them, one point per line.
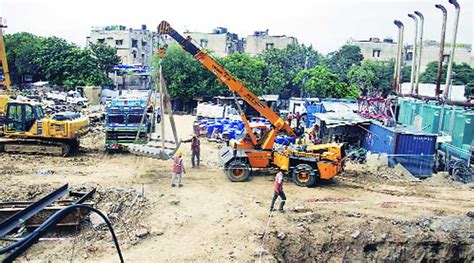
pixel 405 115
pixel 431 118
pixel 463 128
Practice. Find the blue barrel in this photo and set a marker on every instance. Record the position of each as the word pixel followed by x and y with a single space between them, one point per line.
pixel 278 140
pixel 292 139
pixel 219 126
pixel 210 128
pixel 241 125
pixel 232 134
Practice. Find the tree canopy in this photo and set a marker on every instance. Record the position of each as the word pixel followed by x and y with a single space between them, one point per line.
pixel 272 72
pixel 321 82
pixel 341 61
pixel 57 61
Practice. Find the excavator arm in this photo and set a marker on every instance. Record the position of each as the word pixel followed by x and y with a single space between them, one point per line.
pixel 234 85
pixel 3 60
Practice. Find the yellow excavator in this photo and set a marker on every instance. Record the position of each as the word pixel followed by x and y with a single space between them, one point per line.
pixel 24 128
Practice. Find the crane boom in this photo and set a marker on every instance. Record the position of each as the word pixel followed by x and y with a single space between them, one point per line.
pixel 234 85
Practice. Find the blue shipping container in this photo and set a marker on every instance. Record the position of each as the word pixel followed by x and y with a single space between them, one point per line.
pixel 412 149
pixel 316 108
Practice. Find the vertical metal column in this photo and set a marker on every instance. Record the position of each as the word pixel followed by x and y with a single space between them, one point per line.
pixel 413 57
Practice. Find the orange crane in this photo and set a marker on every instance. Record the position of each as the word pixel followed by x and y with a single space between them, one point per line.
pixel 256 147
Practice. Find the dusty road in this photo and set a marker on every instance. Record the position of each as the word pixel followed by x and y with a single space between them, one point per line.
pixel 365 214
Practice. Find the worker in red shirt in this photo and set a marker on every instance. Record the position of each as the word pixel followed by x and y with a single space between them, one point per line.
pixel 298 117
pixel 178 170
pixel 195 150
pixel 289 117
pixel 278 190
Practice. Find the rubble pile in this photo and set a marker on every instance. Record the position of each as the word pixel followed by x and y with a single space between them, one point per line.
pixel 126 209
pixel 435 239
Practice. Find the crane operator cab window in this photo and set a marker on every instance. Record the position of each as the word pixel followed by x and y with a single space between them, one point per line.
pixel 258 134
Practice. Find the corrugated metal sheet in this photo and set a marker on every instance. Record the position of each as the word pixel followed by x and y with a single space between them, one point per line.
pixel 379 140
pixel 413 149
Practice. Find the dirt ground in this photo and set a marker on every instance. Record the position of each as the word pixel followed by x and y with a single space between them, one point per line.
pixel 366 214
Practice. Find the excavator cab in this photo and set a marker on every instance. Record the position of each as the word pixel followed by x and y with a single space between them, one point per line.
pixel 20 117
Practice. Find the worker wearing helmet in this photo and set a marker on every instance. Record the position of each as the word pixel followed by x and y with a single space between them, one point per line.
pixel 178 169
pixel 195 150
pixel 278 190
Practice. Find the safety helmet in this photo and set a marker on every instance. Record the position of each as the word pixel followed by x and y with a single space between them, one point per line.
pixel 194 135
pixel 179 154
pixel 284 167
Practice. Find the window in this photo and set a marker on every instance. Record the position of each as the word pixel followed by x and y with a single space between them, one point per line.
pixel 119 119
pixel 143 57
pixel 134 119
pixel 101 40
pixel 29 113
pixel 376 53
pixel 134 55
pixel 269 46
pixel 409 56
pixel 39 112
pixel 144 43
pixel 203 42
pixel 134 43
pixel 119 42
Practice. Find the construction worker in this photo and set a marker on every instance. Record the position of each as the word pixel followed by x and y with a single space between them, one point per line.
pixel 178 169
pixel 278 190
pixel 195 150
pixel 289 118
pixel 298 117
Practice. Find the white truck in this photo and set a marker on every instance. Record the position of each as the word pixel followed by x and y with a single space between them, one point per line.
pixel 211 110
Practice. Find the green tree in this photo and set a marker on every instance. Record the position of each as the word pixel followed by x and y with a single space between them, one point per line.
pixel 65 64
pixel 372 76
pixel 284 64
pixel 105 56
pixel 463 74
pixel 249 70
pixel 21 49
pixel 185 77
pixel 321 82
pixel 342 60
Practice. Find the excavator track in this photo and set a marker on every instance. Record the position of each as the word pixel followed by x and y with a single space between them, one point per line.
pixel 40 147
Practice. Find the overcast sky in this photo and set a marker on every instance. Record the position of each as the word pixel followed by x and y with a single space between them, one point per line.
pixel 325 24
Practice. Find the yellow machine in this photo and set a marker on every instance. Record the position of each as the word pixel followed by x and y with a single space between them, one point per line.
pixel 256 149
pixel 26 129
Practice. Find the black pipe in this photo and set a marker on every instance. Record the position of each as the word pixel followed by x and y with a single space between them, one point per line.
pixel 43 228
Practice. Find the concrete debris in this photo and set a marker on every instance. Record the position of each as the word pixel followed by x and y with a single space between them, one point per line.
pixel 141 233
pixel 301 209
pixel 281 235
pixel 376 160
pixel 174 201
pixel 43 172
pixel 402 171
pixel 157 232
pixel 355 234
pixel 96 220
